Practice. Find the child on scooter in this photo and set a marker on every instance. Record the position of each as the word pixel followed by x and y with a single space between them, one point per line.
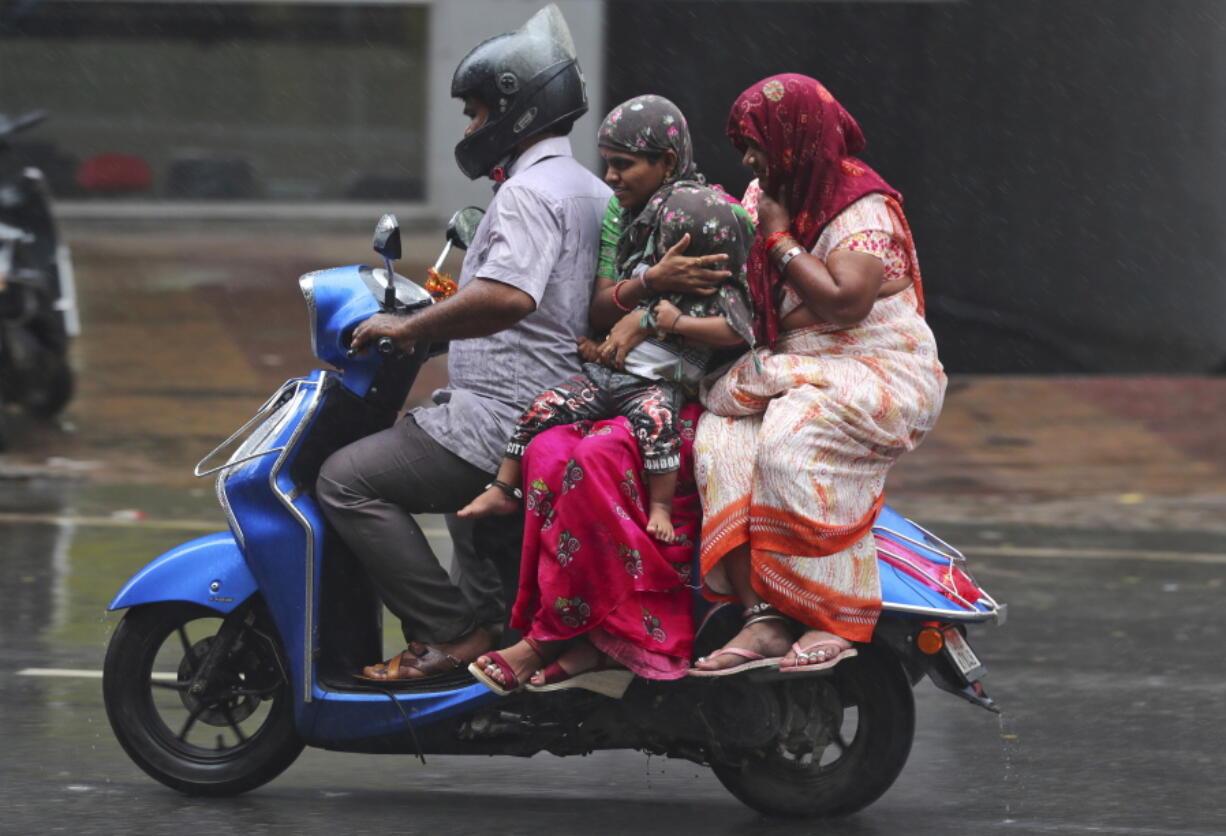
pixel 647 379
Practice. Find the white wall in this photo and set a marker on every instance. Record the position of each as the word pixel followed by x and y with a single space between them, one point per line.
pixel 456 26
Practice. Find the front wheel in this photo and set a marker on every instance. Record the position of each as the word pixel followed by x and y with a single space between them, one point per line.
pixel 232 732
pixel 842 741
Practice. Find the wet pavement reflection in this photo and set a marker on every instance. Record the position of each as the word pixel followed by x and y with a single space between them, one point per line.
pixel 1109 670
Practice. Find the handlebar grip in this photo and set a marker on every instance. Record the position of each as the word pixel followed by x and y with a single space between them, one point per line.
pixel 384 345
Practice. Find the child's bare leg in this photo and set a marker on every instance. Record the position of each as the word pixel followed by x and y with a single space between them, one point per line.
pixel 495 500
pixel 660 490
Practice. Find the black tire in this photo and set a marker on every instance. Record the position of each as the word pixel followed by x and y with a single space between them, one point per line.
pixel 248 705
pixel 802 776
pixel 47 397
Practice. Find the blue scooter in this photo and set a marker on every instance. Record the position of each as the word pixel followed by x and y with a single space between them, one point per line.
pixel 238 647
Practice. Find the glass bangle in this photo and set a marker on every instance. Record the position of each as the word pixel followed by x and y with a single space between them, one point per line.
pixel 617 301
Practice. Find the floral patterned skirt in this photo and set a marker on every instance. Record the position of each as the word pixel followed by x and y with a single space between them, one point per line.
pixel 589 567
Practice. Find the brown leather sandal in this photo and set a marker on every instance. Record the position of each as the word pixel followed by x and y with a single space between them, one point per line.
pixel 416 661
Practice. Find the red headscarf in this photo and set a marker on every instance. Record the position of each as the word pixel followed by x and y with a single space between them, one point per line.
pixel 809 140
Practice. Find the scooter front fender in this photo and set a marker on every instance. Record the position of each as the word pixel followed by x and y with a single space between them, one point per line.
pixel 209 571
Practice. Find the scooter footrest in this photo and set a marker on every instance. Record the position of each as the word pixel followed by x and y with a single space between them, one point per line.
pixel 442 682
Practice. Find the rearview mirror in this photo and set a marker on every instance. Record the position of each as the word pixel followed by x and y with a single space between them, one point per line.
pixel 462 227
pixel 387 237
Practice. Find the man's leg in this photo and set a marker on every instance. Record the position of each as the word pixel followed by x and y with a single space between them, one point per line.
pixel 498 543
pixel 475 569
pixel 369 490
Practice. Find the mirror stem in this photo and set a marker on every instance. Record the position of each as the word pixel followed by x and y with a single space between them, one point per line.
pixel 389 294
pixel 443 257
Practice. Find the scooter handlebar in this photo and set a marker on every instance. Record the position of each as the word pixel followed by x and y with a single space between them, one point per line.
pixel 384 345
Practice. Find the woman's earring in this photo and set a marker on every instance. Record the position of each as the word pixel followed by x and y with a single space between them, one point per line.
pixel 668 176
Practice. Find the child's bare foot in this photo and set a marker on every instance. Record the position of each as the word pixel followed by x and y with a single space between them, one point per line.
pixel 492 501
pixel 660 524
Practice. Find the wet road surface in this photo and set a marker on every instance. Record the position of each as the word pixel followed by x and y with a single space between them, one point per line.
pixel 1093 507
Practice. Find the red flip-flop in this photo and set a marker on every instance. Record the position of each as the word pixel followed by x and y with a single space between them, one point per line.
pixel 510 683
pixel 602 679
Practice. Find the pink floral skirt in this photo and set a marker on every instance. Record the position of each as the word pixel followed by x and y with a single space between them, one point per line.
pixel 589 567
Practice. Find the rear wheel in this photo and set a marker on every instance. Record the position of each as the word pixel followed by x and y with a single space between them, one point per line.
pixel 843 739
pixel 46 396
pixel 48 385
pixel 232 734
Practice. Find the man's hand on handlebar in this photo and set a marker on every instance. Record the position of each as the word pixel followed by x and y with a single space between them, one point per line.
pixel 373 330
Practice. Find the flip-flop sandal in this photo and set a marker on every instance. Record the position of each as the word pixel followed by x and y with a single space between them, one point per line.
pixel 510 682
pixel 823 662
pixel 753 661
pixel 426 660
pixel 602 679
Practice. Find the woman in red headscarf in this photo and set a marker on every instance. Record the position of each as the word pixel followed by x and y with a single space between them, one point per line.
pixel 792 454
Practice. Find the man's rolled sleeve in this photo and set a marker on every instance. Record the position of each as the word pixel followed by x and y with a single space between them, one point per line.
pixel 525 240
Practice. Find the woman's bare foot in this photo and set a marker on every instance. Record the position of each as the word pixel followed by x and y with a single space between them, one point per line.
pixel 580 657
pixel 492 501
pixel 816 647
pixel 660 524
pixel 522 657
pixel 768 638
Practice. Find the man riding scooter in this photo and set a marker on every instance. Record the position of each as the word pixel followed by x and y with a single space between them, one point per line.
pixel 522 301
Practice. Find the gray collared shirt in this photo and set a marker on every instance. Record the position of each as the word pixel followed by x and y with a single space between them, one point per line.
pixel 541 234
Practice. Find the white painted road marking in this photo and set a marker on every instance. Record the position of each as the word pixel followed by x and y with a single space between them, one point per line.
pixel 79 673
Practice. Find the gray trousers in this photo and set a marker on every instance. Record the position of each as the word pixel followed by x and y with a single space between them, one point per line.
pixel 369 491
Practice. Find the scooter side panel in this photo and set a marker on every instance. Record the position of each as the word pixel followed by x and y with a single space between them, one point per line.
pixel 919 578
pixel 897 587
pixel 209 570
pixel 355 715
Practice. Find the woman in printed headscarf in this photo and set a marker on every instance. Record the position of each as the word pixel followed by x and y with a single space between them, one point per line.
pixel 604 573
pixel 792 454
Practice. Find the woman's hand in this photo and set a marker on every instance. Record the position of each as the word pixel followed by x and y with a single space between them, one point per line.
pixel 624 336
pixel 678 273
pixel 772 212
pixel 382 325
pixel 667 315
pixel 588 350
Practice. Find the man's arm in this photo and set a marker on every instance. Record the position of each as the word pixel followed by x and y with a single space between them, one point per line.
pixel 480 308
pixel 525 239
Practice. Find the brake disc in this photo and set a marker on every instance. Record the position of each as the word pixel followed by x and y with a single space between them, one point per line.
pixel 232 694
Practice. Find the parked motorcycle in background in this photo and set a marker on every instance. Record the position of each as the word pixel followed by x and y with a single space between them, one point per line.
pixel 38 310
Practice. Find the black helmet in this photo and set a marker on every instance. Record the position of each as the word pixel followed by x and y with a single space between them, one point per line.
pixel 529 79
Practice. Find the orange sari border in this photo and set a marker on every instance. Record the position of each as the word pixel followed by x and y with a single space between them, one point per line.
pixel 812 604
pixel 723 532
pixel 777 530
